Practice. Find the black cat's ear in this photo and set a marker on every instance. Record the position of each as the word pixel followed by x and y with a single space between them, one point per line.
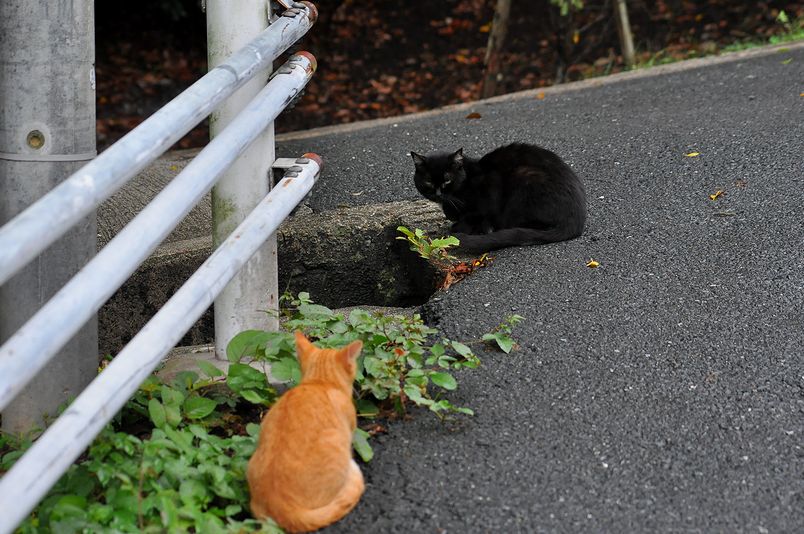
pixel 457 158
pixel 418 159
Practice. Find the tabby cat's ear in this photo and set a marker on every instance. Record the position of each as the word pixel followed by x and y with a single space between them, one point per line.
pixel 457 157
pixel 302 343
pixel 418 159
pixel 351 351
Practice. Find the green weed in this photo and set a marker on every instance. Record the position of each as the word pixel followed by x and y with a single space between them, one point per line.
pixel 174 458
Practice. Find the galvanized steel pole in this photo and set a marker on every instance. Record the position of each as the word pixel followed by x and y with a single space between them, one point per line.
pixel 47 131
pixel 53 453
pixel 29 349
pixel 29 233
pixel 229 25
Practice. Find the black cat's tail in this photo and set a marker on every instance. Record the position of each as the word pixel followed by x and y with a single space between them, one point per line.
pixel 513 237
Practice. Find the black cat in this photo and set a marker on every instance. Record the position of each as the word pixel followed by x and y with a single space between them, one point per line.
pixel 518 194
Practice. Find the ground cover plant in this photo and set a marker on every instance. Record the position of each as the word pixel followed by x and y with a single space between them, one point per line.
pixel 174 459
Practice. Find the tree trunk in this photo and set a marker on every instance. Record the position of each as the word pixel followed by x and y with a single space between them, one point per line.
pixel 624 30
pixel 499 29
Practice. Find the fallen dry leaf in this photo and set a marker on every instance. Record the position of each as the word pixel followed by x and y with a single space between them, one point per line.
pixel 540 95
pixel 461 270
pixel 715 195
pixel 486 28
pixel 473 115
pixel 592 264
pixel 693 154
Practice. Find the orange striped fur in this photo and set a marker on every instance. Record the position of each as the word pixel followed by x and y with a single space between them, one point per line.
pixel 302 474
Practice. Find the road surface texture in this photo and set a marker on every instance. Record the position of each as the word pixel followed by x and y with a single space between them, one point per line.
pixel 660 392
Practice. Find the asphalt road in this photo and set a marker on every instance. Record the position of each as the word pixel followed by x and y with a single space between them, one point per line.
pixel 660 392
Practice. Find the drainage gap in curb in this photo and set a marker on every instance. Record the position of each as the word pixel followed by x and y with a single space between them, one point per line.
pixel 354 266
pixel 342 258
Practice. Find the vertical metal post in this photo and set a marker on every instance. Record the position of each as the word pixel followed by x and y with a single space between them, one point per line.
pixel 47 131
pixel 242 304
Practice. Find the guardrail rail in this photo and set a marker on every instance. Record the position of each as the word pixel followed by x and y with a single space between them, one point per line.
pixel 26 352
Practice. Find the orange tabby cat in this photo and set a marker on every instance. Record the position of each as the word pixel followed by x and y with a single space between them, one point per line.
pixel 302 474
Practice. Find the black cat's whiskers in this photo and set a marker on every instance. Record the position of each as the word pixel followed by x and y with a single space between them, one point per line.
pixel 454 202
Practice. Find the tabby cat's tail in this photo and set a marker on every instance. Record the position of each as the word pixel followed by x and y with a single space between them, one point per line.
pixel 514 237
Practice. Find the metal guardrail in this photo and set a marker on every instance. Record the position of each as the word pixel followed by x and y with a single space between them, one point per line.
pixel 53 453
pixel 42 223
pixel 29 350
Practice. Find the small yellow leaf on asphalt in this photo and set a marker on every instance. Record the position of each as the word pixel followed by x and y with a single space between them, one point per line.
pixel 787 61
pixel 715 195
pixel 174 168
pixel 592 264
pixel 473 115
pixel 540 95
pixel 802 94
pixel 693 154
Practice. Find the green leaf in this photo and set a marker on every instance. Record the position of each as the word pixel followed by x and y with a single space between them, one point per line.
pixel 193 492
pixel 366 408
pixel 445 242
pixel 415 395
pixel 253 429
pixel 173 414
pixel 232 509
pixel 502 340
pixel 361 445
pixel 209 369
pixel 245 344
pixel 254 397
pixel 286 370
pixel 157 413
pixel 401 229
pixel 199 407
pixel 444 380
pixel 461 349
pixel 315 310
pixel 243 376
pixel 70 506
pixel 171 397
pixel 358 316
pixel 374 366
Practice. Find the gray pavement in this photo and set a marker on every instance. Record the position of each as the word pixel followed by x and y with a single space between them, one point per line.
pixel 662 391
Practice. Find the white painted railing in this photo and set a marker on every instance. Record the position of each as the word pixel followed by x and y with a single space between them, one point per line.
pixel 33 345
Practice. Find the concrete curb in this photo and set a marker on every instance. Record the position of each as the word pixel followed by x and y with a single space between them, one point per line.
pixel 343 257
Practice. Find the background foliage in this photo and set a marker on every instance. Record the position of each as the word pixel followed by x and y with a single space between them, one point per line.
pixel 379 58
